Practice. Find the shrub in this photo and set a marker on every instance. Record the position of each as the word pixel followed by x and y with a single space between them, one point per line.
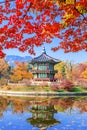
pixel 81 82
pixel 54 87
pixel 67 85
pixel 43 84
pixel 47 88
pixel 8 87
pixel 27 82
pixel 3 82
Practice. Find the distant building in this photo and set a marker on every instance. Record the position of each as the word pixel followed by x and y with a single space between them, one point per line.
pixel 43 67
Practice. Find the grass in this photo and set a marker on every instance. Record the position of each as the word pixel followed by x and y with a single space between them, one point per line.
pixel 25 88
pixel 38 89
pixel 62 90
pixel 47 88
pixel 15 88
pixel 78 89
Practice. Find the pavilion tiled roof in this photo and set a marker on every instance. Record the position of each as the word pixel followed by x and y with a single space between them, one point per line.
pixel 45 58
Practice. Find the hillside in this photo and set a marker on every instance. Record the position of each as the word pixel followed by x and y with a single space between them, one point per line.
pixel 11 59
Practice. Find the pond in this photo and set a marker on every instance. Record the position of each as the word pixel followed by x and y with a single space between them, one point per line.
pixel 43 113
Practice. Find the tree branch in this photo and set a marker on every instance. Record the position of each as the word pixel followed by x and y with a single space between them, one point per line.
pixel 28 9
pixel 79 13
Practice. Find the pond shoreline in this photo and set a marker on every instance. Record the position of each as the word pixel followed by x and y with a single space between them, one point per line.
pixel 13 93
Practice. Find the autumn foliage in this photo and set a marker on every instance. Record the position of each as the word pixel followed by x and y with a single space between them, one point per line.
pixel 28 23
pixel 20 72
pixel 84 74
pixel 3 68
pixel 70 74
pixel 67 85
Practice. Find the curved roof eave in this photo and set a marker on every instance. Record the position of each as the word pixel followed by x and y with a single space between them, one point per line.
pixel 45 58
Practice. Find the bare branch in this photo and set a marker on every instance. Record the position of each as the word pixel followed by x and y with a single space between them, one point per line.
pixel 79 13
pixel 28 9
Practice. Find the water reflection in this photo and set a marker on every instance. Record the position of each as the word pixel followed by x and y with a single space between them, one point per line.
pixel 41 113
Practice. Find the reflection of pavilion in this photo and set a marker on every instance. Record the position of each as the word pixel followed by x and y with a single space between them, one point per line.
pixel 43 116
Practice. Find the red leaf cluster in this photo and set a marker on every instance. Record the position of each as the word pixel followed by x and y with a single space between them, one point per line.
pixel 42 20
pixel 67 84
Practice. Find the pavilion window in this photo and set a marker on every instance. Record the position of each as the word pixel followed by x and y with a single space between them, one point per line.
pixel 42 75
pixel 42 67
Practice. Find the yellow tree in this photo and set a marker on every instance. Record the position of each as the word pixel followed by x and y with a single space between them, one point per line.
pixel 3 68
pixel 84 74
pixel 79 69
pixel 70 70
pixel 61 68
pixel 65 70
pixel 20 72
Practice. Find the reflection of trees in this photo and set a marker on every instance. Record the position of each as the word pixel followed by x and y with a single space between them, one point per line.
pixel 3 105
pixel 60 104
pixel 17 106
pixel 20 106
pixel 42 109
pixel 64 104
pixel 81 104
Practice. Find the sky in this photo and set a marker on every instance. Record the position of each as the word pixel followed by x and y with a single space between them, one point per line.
pixel 75 57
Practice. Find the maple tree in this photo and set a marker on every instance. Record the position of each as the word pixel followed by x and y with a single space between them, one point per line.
pixel 79 69
pixel 67 85
pixel 28 23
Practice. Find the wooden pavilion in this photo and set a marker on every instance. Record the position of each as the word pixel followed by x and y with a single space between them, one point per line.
pixel 43 67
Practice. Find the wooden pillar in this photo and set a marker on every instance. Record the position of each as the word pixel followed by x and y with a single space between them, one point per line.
pixel 37 66
pixel 47 75
pixel 47 66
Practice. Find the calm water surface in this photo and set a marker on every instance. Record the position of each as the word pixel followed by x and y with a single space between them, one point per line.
pixel 41 113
